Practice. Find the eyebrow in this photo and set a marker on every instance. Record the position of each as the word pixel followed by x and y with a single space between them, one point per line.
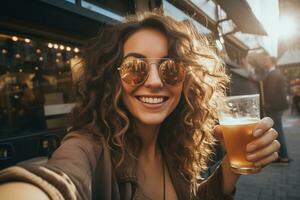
pixel 138 55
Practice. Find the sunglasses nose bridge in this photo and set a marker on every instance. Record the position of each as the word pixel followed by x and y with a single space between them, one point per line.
pixel 153 79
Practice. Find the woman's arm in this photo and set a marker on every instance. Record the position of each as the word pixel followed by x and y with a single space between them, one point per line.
pixel 229 177
pixel 67 175
pixel 21 190
pixel 218 185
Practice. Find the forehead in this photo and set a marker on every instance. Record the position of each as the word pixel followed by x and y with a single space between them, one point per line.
pixel 149 42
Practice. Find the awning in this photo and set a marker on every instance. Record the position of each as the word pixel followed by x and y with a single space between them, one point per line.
pixel 241 14
pixel 289 57
pixel 51 20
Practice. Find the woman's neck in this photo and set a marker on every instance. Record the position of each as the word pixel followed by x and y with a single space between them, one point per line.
pixel 148 135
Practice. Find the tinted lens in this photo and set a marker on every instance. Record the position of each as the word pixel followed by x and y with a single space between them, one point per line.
pixel 134 71
pixel 171 73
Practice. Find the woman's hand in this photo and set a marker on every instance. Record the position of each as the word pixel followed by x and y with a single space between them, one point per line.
pixel 263 150
pixel 21 190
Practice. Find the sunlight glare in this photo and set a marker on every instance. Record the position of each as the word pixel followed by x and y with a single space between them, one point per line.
pixel 287 27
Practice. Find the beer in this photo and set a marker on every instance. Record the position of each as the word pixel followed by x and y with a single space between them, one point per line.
pixel 238 115
pixel 237 133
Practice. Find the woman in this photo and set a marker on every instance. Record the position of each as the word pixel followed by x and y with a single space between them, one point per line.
pixel 144 124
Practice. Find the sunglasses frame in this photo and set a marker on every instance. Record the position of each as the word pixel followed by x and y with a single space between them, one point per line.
pixel 158 65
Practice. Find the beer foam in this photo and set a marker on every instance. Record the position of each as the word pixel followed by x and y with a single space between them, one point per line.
pixel 238 121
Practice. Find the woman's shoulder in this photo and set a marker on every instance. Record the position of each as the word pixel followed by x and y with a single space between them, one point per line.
pixel 80 147
pixel 85 138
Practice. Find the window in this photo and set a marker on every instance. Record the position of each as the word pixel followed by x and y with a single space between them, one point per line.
pixel 35 83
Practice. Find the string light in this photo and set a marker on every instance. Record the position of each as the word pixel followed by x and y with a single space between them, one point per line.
pixel 18 55
pixel 15 38
pixel 39 51
pixel 76 50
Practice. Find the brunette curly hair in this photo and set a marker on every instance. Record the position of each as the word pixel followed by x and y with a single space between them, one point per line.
pixel 187 133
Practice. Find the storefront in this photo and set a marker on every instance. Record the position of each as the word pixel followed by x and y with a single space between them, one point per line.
pixel 40 46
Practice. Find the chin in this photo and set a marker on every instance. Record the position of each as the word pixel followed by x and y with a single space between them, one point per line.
pixel 151 119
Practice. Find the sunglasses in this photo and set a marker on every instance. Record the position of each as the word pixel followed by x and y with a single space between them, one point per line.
pixel 135 71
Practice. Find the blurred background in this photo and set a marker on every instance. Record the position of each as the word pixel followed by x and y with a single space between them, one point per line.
pixel 41 43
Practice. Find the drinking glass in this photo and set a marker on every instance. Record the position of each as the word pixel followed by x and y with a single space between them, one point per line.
pixel 237 117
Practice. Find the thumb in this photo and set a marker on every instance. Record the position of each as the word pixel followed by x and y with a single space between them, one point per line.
pixel 218 133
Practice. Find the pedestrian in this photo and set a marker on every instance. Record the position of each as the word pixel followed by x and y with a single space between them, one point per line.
pixel 275 98
pixel 295 91
pixel 296 101
pixel 144 125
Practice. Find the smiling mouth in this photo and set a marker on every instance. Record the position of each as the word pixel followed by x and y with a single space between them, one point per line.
pixel 152 100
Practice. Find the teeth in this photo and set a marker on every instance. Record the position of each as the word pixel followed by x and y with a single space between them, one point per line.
pixel 151 100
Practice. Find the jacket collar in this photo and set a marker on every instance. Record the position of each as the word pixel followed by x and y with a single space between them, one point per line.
pixel 180 183
pixel 127 171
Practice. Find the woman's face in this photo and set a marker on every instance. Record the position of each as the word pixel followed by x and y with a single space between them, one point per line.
pixel 151 102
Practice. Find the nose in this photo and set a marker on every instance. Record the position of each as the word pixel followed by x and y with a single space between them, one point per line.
pixel 153 80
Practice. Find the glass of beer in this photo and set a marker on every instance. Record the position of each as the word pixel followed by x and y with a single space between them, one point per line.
pixel 238 117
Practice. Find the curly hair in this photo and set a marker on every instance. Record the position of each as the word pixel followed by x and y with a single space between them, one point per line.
pixel 187 133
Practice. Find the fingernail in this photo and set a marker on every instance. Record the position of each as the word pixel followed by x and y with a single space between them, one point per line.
pixel 257 164
pixel 257 132
pixel 250 156
pixel 251 147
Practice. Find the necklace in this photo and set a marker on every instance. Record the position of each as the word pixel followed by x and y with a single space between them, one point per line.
pixel 164 178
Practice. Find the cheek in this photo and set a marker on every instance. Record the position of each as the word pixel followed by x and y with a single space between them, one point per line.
pixel 126 94
pixel 176 93
pixel 124 91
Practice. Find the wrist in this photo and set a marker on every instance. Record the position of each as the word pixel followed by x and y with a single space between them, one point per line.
pixel 229 177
